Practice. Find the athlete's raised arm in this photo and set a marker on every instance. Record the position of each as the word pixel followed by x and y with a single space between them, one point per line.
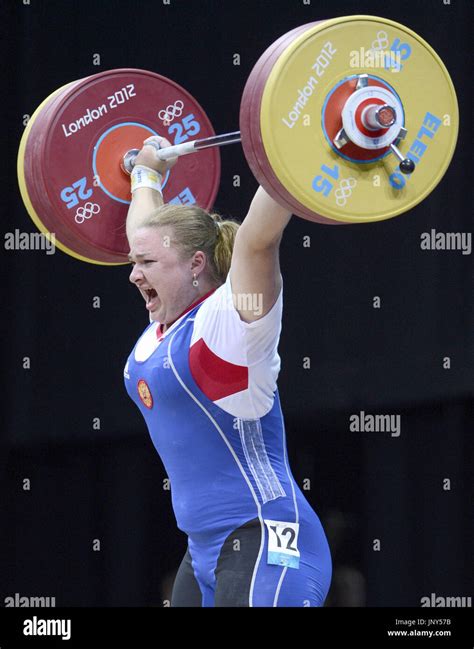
pixel 255 267
pixel 145 198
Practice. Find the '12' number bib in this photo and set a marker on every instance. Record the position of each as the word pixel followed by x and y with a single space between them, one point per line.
pixel 283 544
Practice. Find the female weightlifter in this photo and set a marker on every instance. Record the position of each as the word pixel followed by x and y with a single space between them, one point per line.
pixel 203 375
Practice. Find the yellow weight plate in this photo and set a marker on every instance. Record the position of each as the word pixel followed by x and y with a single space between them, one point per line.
pixel 294 119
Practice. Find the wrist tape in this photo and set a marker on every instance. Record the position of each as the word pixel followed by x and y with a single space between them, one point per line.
pixel 142 176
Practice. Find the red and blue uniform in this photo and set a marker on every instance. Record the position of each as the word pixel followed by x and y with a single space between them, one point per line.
pixel 207 390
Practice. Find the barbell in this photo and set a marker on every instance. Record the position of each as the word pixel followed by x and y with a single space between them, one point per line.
pixel 347 120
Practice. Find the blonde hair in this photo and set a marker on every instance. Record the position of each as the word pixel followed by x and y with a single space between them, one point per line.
pixel 195 229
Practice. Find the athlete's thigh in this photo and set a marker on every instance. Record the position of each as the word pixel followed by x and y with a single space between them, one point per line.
pixel 245 578
pixel 186 591
pixel 305 586
pixel 236 565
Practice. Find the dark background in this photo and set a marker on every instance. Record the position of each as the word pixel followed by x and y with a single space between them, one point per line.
pixel 106 484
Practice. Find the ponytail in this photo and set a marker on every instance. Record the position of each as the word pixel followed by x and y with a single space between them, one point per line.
pixel 224 246
pixel 195 229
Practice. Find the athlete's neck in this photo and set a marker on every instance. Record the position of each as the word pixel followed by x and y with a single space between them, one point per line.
pixel 164 326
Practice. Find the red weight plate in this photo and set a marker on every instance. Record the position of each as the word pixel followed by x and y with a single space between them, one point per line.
pixel 36 176
pixel 250 126
pixel 82 193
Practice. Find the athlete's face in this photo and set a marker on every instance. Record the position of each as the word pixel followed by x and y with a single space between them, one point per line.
pixel 160 274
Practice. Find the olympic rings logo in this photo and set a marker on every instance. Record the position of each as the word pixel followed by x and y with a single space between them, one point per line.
pixel 86 212
pixel 345 190
pixel 170 112
pixel 381 43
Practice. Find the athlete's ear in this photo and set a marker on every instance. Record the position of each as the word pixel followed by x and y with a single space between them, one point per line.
pixel 198 262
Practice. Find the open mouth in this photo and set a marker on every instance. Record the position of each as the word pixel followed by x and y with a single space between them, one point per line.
pixel 151 297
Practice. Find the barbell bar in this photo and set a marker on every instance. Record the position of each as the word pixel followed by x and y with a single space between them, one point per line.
pixel 174 151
